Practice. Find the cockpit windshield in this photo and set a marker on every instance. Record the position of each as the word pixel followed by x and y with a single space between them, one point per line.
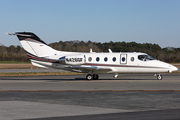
pixel 145 57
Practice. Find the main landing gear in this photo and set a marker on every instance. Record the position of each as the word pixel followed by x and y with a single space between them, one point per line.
pixel 159 76
pixel 92 77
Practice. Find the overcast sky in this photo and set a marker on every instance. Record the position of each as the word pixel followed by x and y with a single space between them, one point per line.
pixel 141 21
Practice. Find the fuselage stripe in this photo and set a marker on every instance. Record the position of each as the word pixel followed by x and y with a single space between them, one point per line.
pixel 28 39
pixel 40 59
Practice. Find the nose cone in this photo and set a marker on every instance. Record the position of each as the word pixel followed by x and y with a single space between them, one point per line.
pixel 173 68
pixel 170 68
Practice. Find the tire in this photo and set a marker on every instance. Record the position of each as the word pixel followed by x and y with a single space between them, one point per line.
pixel 159 77
pixel 95 77
pixel 89 77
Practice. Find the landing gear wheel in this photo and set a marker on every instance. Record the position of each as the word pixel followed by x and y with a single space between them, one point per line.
pixel 95 77
pixel 89 77
pixel 159 77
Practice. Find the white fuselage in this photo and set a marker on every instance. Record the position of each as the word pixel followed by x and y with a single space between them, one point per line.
pixel 123 62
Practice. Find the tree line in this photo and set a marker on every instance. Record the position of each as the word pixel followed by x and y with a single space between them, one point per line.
pixel 168 54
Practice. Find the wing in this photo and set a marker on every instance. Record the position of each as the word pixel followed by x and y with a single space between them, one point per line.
pixel 89 68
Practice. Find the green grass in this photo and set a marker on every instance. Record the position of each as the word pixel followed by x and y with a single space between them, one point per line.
pixel 39 73
pixel 13 62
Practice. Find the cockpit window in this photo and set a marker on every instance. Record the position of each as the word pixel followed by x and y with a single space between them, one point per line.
pixel 145 57
pixel 149 58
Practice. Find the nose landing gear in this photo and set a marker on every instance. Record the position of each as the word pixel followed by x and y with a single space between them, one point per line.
pixel 159 76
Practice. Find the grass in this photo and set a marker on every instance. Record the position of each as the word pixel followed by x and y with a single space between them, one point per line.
pixel 39 73
pixel 14 62
pixel 17 66
pixel 176 72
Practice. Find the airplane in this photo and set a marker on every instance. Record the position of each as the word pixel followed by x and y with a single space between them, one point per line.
pixel 92 63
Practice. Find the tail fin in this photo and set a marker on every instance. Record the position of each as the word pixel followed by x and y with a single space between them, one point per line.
pixel 33 45
pixel 38 51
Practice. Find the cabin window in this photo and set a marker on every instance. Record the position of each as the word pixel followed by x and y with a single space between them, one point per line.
pixel 97 59
pixel 105 59
pixel 132 59
pixel 89 59
pixel 123 59
pixel 114 59
pixel 145 57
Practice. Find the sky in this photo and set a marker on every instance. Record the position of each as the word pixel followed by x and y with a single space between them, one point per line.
pixel 141 21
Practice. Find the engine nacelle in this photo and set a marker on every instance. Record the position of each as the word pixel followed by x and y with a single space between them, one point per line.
pixel 74 60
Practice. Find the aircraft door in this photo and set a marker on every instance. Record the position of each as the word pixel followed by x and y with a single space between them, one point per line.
pixel 123 58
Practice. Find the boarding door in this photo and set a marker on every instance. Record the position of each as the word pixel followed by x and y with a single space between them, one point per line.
pixel 123 58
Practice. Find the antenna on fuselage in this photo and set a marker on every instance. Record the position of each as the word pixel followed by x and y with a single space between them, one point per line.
pixel 90 50
pixel 110 51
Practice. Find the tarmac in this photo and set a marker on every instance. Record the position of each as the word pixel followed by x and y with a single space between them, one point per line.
pixel 79 82
pixel 131 96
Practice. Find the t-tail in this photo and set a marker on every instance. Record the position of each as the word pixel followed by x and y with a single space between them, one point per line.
pixel 37 50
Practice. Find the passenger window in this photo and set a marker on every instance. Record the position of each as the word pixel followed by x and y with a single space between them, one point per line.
pixel 105 59
pixel 114 59
pixel 123 59
pixel 89 59
pixel 97 59
pixel 132 59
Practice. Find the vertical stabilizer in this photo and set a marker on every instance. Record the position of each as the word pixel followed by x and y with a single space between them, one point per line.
pixel 34 45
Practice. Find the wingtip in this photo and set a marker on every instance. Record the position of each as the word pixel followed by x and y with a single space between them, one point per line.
pixel 9 33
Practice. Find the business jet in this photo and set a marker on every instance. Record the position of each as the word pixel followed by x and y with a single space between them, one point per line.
pixel 92 63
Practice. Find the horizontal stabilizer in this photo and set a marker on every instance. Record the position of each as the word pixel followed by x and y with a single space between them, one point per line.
pixel 38 65
pixel 18 34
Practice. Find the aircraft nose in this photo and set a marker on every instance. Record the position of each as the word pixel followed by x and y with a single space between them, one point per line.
pixel 173 68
